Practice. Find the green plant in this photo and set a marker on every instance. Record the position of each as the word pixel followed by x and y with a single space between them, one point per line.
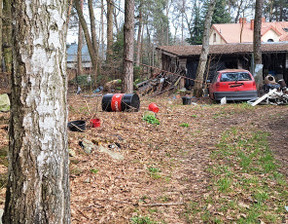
pixel 184 125
pixel 151 119
pixel 142 220
pixel 94 171
pixel 154 172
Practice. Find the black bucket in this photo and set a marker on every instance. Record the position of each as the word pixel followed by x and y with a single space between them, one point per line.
pixel 121 102
pixel 77 125
pixel 186 100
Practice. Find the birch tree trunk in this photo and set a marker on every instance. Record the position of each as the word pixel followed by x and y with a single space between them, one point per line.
pixel 128 46
pixel 38 176
pixel 198 92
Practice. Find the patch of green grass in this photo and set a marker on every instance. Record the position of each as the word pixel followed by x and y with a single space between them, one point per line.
pixel 224 184
pixel 94 171
pixel 245 181
pixel 185 125
pixel 142 220
pixel 154 172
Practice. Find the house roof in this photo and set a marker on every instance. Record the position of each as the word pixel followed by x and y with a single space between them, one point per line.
pixel 72 53
pixel 230 32
pixel 195 50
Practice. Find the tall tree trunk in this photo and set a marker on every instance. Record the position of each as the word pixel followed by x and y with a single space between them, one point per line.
pixel 93 35
pixel 7 35
pixel 91 50
pixel 139 39
pixel 128 45
pixel 102 33
pixel 69 11
pixel 115 21
pixel 80 45
pixel 198 92
pixel 110 9
pixel 38 178
pixel 93 25
pixel 257 43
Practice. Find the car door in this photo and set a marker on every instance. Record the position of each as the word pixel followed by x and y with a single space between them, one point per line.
pixel 212 86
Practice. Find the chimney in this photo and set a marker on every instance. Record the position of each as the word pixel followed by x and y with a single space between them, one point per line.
pixel 263 20
pixel 252 24
pixel 242 20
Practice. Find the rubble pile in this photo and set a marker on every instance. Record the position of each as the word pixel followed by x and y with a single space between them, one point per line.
pixel 276 93
pixel 160 83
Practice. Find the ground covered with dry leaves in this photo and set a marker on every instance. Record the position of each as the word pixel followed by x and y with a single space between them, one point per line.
pixel 203 163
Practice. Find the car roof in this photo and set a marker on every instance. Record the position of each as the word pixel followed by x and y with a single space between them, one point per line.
pixel 233 70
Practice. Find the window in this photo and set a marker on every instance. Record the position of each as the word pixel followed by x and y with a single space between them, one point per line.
pixel 214 37
pixel 233 77
pixel 270 40
pixel 285 29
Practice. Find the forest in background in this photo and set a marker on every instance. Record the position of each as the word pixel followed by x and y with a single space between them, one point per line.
pixel 157 23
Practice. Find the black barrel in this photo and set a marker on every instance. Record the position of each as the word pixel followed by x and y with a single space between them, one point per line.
pixel 121 102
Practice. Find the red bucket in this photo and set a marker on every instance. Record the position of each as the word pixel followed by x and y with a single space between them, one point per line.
pixel 95 123
pixel 153 107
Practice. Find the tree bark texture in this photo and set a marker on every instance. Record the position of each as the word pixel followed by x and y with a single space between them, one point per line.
pixel 38 176
pixel 257 45
pixel 257 32
pixel 128 46
pixel 7 35
pixel 198 92
pixel 109 52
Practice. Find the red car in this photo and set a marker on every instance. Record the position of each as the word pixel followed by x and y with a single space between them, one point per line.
pixel 234 84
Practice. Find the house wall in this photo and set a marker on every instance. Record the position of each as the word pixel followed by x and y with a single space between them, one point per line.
pixel 215 36
pixel 270 35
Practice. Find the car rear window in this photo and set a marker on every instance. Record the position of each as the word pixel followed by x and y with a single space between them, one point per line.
pixel 235 76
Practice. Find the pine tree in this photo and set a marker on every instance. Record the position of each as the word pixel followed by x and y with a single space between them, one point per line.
pixel 196 32
pixel 220 15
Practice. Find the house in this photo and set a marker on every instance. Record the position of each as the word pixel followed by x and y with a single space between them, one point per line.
pixel 240 55
pixel 72 57
pixel 242 32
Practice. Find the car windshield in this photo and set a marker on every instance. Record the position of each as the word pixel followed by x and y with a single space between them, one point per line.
pixel 235 76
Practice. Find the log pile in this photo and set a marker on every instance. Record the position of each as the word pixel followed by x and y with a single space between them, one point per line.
pixel 159 84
